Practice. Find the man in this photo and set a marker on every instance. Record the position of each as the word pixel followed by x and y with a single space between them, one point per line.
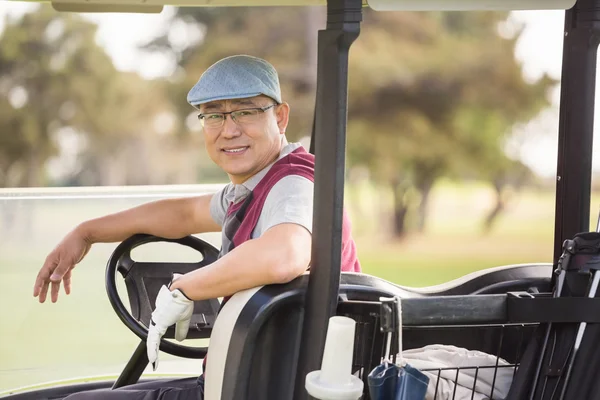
pixel 264 214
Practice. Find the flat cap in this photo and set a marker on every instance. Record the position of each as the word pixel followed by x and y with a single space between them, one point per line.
pixel 236 77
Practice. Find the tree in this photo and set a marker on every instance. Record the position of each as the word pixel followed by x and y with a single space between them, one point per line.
pixel 52 70
pixel 446 94
pixel 431 94
pixel 60 86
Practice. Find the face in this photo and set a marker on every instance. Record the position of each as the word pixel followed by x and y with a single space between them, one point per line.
pixel 244 148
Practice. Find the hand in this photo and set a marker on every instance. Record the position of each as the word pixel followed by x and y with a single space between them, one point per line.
pixel 172 307
pixel 59 264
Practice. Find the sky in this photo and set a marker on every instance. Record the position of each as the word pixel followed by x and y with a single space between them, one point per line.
pixel 539 49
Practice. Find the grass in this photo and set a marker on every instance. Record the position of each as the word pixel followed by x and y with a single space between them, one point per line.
pixel 81 335
pixel 453 243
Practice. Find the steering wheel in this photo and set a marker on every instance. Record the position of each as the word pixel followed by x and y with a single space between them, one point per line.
pixel 144 280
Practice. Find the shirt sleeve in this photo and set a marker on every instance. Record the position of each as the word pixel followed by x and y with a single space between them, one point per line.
pixel 218 204
pixel 289 201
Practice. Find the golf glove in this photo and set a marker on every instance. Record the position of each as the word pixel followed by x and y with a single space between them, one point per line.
pixel 172 307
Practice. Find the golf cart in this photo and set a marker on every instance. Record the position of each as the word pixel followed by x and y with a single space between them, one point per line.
pixel 264 341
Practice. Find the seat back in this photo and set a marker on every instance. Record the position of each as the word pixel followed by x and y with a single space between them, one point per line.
pixel 256 338
pixel 518 277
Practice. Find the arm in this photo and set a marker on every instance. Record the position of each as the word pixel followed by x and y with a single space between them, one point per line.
pixel 171 218
pixel 281 254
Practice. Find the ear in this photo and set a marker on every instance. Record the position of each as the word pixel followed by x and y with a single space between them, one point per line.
pixel 282 114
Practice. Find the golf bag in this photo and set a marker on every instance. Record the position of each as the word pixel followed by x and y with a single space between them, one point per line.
pixel 562 361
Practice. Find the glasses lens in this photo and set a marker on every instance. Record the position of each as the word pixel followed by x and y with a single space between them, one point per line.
pixel 213 120
pixel 245 116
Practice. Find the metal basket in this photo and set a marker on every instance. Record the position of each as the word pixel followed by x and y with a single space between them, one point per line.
pixel 503 343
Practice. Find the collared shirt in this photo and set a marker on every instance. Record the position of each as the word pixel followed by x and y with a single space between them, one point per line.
pixel 289 201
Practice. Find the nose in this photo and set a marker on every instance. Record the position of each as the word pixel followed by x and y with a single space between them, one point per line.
pixel 230 128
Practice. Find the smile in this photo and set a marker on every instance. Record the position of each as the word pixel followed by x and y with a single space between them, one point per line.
pixel 236 150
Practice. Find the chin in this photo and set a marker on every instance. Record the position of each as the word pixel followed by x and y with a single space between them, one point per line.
pixel 233 171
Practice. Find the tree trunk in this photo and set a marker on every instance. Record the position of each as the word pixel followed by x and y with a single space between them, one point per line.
pixel 425 175
pixel 400 209
pixel 425 191
pixel 493 215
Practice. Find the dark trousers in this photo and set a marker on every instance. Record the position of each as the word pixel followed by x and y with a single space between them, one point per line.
pixel 177 389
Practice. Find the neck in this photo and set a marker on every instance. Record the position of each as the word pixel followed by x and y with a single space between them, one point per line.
pixel 237 180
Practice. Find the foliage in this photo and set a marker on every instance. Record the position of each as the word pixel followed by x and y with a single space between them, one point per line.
pixel 59 91
pixel 446 95
pixel 48 63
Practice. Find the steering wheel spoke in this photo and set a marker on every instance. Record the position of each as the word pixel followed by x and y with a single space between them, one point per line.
pixel 125 264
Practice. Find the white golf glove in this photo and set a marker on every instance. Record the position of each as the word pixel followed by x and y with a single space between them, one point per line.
pixel 172 307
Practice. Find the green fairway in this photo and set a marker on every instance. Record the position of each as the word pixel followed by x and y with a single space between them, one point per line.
pixel 81 336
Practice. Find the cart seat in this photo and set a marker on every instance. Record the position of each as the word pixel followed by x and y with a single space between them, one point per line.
pixel 516 277
pixel 245 364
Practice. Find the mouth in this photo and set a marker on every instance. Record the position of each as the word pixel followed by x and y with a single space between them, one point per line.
pixel 235 150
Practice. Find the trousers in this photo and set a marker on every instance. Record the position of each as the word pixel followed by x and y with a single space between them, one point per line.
pixel 176 389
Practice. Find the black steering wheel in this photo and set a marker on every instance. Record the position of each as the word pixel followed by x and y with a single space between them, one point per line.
pixel 144 280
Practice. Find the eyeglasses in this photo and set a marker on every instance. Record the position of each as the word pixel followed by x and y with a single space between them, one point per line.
pixel 240 117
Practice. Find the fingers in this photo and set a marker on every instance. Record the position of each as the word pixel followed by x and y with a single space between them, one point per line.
pixel 60 271
pixel 67 282
pixel 55 288
pixel 181 329
pixel 58 265
pixel 50 277
pixel 42 281
pixel 43 277
pixel 44 291
pixel 152 344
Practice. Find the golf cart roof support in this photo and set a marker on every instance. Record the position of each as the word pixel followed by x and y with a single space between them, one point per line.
pixel 576 126
pixel 343 27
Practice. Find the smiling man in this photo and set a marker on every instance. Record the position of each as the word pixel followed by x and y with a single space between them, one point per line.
pixel 264 213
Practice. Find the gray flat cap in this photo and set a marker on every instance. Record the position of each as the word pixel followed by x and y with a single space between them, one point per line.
pixel 236 77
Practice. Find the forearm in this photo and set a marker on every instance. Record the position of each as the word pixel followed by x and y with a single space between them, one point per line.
pixel 170 218
pixel 254 263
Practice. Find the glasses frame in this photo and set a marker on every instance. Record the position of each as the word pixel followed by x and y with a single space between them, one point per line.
pixel 201 116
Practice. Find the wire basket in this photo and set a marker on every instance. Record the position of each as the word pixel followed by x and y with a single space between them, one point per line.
pixel 501 346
